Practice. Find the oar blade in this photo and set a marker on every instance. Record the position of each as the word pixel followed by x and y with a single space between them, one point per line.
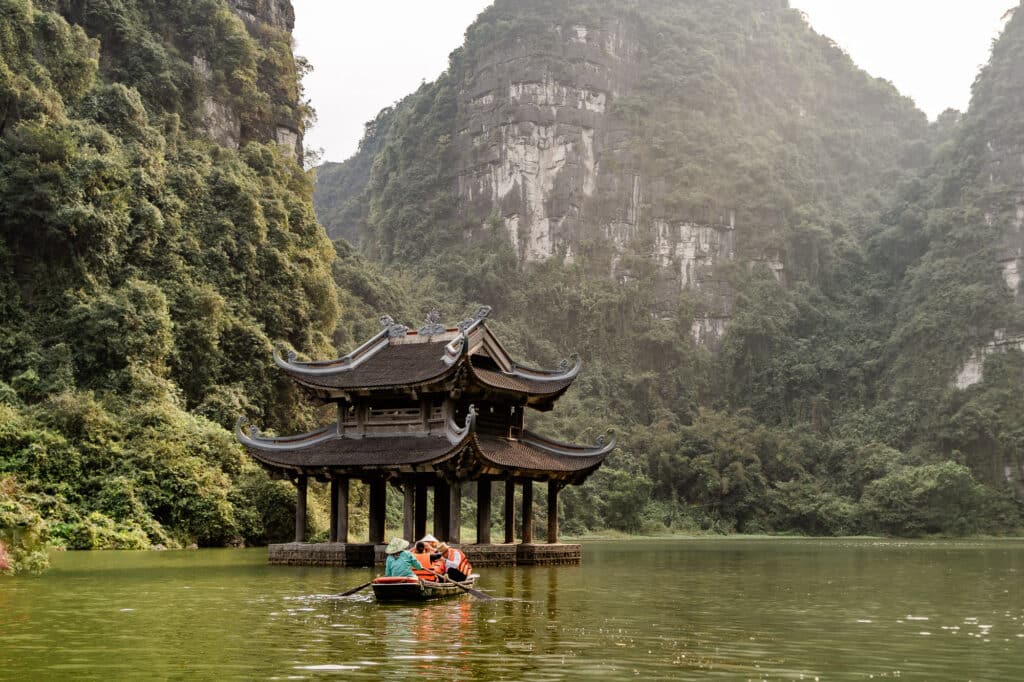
pixel 478 594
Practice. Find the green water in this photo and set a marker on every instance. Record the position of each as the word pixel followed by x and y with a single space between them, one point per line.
pixel 677 609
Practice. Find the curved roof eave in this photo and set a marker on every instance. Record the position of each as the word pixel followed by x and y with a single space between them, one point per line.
pixel 561 374
pixel 296 453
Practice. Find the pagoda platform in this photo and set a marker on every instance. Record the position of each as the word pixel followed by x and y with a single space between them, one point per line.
pixel 365 555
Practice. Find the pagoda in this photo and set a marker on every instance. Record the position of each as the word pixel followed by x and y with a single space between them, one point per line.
pixel 434 407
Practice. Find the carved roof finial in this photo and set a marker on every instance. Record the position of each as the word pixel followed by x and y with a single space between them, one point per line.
pixel 394 330
pixel 481 314
pixel 433 325
pixel 242 423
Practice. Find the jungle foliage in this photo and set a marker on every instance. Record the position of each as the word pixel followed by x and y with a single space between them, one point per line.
pixel 145 272
pixel 830 406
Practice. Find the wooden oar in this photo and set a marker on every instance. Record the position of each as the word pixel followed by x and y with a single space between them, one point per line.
pixel 476 593
pixel 356 589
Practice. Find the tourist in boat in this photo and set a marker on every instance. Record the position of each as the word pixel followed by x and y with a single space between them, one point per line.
pixel 456 565
pixel 421 552
pixel 401 562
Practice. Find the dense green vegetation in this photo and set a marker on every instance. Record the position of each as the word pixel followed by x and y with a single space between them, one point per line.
pixel 145 272
pixel 830 406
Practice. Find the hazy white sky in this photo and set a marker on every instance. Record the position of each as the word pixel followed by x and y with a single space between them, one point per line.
pixel 369 55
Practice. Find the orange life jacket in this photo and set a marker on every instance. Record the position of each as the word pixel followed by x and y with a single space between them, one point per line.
pixel 423 558
pixel 453 558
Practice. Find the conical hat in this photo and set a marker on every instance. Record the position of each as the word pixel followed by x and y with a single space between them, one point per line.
pixel 396 545
pixel 429 538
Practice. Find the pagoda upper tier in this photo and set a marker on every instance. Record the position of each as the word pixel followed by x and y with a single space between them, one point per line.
pixel 465 361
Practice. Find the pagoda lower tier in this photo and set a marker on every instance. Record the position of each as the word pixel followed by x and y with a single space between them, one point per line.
pixel 415 464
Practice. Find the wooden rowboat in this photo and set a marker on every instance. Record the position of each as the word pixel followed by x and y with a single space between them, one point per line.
pixel 415 589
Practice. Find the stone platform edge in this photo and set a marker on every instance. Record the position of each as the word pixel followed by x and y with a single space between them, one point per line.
pixel 364 555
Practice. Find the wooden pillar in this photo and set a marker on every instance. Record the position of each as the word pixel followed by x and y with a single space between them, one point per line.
pixel 408 530
pixel 333 537
pixel 301 486
pixel 527 512
pixel 441 505
pixel 553 489
pixel 483 511
pixel 339 507
pixel 378 510
pixel 455 513
pixel 420 528
pixel 510 511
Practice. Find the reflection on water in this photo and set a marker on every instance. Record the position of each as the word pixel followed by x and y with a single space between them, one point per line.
pixel 676 609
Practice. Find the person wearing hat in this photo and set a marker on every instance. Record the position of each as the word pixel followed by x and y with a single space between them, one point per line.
pixel 456 565
pixel 400 562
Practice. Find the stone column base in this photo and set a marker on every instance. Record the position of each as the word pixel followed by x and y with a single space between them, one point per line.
pixel 490 554
pixel 321 554
pixel 548 555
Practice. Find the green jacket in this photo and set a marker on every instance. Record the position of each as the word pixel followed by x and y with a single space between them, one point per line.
pixel 401 565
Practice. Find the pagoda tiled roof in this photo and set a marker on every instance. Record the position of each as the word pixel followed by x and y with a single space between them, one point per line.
pixel 537 455
pixel 519 383
pixel 392 365
pixel 399 358
pixel 530 456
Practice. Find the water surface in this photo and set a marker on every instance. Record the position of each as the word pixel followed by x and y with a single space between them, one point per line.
pixel 667 609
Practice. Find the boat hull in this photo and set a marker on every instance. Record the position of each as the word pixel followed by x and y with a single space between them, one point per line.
pixel 418 590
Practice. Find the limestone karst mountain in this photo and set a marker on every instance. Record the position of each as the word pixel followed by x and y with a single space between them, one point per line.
pixel 647 181
pixel 695 135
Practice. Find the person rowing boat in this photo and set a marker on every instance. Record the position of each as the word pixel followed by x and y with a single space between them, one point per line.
pixel 400 562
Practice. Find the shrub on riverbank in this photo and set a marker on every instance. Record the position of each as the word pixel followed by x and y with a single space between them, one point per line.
pixel 23 533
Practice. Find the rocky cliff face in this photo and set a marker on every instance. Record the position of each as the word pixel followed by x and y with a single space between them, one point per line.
pixel 991 151
pixel 534 129
pixel 540 146
pixel 270 22
pixel 580 126
pixel 278 14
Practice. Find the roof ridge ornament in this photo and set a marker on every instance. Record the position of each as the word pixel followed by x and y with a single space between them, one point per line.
pixel 433 326
pixel 240 426
pixel 393 329
pixel 481 314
